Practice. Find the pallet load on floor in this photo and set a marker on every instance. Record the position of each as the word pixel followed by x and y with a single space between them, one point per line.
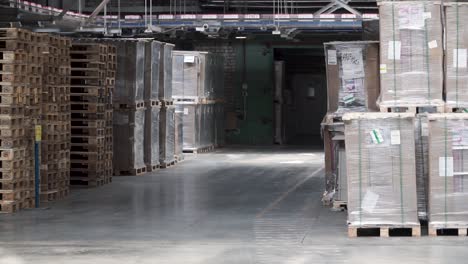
pixel 129 107
pixel 352 87
pixel 167 118
pixel 411 61
pixel 380 162
pixel 92 80
pixel 153 56
pixel 448 151
pixel 198 93
pixel 55 121
pixel 18 103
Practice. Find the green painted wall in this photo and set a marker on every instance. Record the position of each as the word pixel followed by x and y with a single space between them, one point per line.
pixel 256 128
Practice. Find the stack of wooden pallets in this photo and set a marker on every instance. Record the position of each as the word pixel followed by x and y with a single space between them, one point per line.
pixel 91 93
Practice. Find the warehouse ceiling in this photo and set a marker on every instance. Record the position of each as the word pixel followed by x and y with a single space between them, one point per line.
pixel 288 19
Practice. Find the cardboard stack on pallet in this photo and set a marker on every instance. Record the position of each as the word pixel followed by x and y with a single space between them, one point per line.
pixel 153 50
pixel 167 117
pixel 352 86
pixel 55 119
pixel 91 95
pixel 129 108
pixel 198 96
pixel 411 59
pixel 18 100
pixel 405 164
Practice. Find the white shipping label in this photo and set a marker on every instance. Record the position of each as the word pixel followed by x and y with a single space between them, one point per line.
pixel 395 137
pixel 189 59
pixel 332 59
pixel 427 15
pixel 369 202
pixel 459 58
pixel 394 50
pixel 185 111
pixel 412 16
pixel 383 68
pixel 433 44
pixel 376 136
pixel 446 166
pixel 352 64
pixel 424 129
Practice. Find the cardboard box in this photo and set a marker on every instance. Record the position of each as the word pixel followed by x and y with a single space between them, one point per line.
pixel 381 172
pixel 448 170
pixel 352 76
pixel 456 68
pixel 411 53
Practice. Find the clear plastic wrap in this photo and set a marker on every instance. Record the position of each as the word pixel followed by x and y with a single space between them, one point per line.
pixel 448 170
pixel 165 77
pixel 152 70
pixel 352 76
pixel 411 53
pixel 130 75
pixel 167 134
pixel 179 131
pixel 456 61
pixel 422 168
pixel 219 125
pixel 380 163
pixel 129 126
pixel 197 74
pixel 152 136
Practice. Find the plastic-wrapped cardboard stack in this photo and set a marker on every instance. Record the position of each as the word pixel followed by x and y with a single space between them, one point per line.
pixel 448 163
pixel 411 49
pixel 198 86
pixel 353 86
pixel 153 64
pixel 129 107
pixel 167 128
pixel 380 162
pixel 456 68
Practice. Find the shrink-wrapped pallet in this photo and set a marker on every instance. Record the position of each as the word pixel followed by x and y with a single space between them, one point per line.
pixel 411 53
pixel 381 173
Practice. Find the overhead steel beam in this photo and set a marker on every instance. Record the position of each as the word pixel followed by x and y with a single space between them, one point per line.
pixel 335 5
pixel 98 10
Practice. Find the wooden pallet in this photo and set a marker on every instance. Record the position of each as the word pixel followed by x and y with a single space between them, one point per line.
pixel 151 168
pixel 199 150
pixel 384 231
pixel 165 103
pixel 137 105
pixel 439 108
pixel 193 100
pixel 131 172
pixel 456 109
pixel 165 165
pixel 179 158
pixel 448 230
pixel 340 205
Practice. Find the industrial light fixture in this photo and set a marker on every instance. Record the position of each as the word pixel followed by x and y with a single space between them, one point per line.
pixel 241 37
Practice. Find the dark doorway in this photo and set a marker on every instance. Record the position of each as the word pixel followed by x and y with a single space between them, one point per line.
pixel 304 94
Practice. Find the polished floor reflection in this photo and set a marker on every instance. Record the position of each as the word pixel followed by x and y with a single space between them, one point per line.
pixel 236 205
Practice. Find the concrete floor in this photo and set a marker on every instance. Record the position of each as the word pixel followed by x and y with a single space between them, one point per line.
pixel 257 205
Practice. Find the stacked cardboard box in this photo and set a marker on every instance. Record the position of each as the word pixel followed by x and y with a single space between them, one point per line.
pixel 448 157
pixel 153 57
pixel 380 163
pixel 197 88
pixel 167 119
pixel 352 86
pixel 411 49
pixel 129 107
pixel 456 68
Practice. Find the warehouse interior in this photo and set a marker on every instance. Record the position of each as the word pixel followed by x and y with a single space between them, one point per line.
pixel 233 131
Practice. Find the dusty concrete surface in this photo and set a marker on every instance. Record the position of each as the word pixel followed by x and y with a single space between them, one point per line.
pixel 256 205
